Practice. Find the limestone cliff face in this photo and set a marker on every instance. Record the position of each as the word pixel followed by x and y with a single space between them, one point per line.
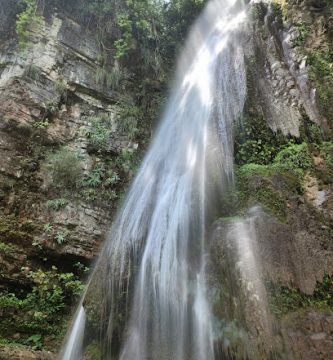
pixel 62 55
pixel 49 100
pixel 276 301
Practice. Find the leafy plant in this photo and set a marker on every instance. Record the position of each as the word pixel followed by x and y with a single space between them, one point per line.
pixel 99 133
pixel 61 237
pixel 6 249
pixel 35 341
pixel 125 160
pixel 112 178
pixel 26 20
pixel 303 34
pixel 33 72
pixel 81 267
pixel 66 168
pixel 47 228
pixel 322 76
pixel 95 177
pixel 44 124
pixel 60 85
pixel 295 156
pixel 284 299
pixel 57 204
pixel 255 142
pixel 37 314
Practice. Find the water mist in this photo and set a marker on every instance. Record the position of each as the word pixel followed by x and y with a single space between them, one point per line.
pixel 148 296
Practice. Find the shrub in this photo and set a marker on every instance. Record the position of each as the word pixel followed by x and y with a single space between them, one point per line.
pixel 283 299
pixel 255 142
pixel 25 20
pixel 295 157
pixel 57 204
pixel 33 72
pixel 99 133
pixel 66 168
pixel 38 313
pixel 60 85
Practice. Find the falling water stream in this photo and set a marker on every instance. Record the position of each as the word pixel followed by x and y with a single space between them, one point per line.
pixel 152 269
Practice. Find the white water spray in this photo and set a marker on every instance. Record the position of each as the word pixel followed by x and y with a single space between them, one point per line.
pixel 158 239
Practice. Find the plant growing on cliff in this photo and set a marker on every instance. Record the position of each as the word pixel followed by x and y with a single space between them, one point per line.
pixel 66 168
pixel 295 157
pixel 321 74
pixel 99 133
pixel 285 299
pixel 37 313
pixel 60 85
pixel 33 72
pixel 255 142
pixel 303 33
pixel 28 18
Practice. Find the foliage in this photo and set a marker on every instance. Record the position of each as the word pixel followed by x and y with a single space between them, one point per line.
pixel 37 314
pixel 13 230
pixel 283 299
pixel 66 168
pixel 33 72
pixel 95 177
pixel 130 115
pixel 126 160
pixel 279 8
pixel 295 157
pixel 102 181
pixel 47 228
pixel 26 20
pixel 57 204
pixel 43 124
pixel 61 237
pixel 60 85
pixel 6 249
pixel 254 184
pixel 81 268
pixel 303 33
pixel 99 133
pixel 321 74
pixel 257 182
pixel 255 142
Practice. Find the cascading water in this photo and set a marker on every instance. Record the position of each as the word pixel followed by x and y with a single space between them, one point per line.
pixel 155 255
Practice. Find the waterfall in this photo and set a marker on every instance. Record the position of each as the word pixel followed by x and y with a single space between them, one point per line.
pixel 148 297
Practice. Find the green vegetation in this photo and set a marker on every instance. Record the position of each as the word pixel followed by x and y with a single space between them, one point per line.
pixel 57 204
pixel 295 157
pixel 35 317
pixel 60 85
pixel 103 180
pixel 322 76
pixel 28 18
pixel 283 299
pixel 66 168
pixel 33 72
pixel 279 9
pixel 255 142
pixel 303 34
pixel 61 237
pixel 99 133
pixel 257 182
pixel 7 249
pixel 14 231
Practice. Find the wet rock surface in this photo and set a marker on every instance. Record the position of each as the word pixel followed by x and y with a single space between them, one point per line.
pixel 309 335
pixel 7 353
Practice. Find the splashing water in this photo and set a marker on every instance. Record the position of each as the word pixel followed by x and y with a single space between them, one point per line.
pixel 156 251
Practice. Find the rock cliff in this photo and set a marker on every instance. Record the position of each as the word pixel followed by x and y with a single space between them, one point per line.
pixel 69 146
